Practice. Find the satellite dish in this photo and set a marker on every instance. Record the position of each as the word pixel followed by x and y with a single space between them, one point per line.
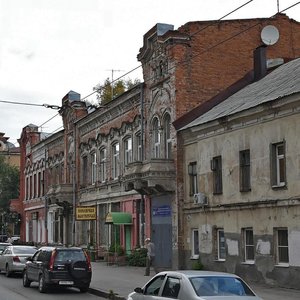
pixel 269 35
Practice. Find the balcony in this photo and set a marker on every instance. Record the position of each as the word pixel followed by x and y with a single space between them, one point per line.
pixel 156 176
pixel 60 193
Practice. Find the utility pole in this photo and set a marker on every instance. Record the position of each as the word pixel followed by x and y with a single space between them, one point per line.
pixel 112 80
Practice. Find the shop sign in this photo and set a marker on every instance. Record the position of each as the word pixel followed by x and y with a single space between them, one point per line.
pixel 85 213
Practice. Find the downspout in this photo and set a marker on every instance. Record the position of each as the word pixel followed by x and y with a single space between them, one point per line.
pixel 74 240
pixel 142 210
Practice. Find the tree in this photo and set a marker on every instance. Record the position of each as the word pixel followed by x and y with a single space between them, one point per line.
pixel 105 91
pixel 9 183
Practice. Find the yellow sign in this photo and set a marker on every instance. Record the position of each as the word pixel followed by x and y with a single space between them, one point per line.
pixel 84 213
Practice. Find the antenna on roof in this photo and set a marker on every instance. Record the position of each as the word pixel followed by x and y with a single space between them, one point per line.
pixel 277 6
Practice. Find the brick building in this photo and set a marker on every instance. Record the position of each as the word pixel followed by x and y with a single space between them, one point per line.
pixel 125 158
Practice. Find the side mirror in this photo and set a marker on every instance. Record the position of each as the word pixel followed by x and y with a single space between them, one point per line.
pixel 139 290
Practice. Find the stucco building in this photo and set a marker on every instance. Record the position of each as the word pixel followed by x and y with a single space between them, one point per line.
pixel 241 181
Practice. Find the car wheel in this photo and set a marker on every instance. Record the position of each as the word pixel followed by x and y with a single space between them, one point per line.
pixel 7 271
pixel 26 281
pixel 42 284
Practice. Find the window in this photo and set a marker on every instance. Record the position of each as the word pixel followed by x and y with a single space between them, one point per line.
pixel 156 138
pixel 115 160
pixel 221 244
pixel 192 170
pixel 195 243
pixel 94 167
pixel 248 244
pixel 278 174
pixel 84 171
pixel 128 151
pixel 167 137
pixel 139 152
pixel 216 166
pixel 102 171
pixel 171 288
pixel 154 286
pixel 245 171
pixel 282 245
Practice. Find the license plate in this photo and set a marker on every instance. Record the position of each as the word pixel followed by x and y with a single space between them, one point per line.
pixel 66 282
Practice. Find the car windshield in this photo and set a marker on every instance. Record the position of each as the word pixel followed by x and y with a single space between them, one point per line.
pixel 74 255
pixel 24 250
pixel 220 286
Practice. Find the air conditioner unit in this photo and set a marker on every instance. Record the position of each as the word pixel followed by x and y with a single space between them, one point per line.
pixel 200 199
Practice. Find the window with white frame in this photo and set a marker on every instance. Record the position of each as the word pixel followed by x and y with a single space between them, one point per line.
pixel 282 245
pixel 94 167
pixel 248 244
pixel 221 250
pixel 127 151
pixel 102 167
pixel 192 171
pixel 156 138
pixel 115 160
pixel 278 172
pixel 139 150
pixel 195 243
pixel 167 136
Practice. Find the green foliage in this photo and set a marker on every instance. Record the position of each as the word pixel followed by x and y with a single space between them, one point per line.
pixel 197 265
pixel 9 183
pixel 104 91
pixel 116 248
pixel 138 257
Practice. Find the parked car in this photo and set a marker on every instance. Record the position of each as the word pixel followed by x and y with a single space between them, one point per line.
pixel 13 258
pixel 3 246
pixel 194 285
pixel 63 267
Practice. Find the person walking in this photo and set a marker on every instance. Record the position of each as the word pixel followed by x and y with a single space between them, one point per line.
pixel 150 256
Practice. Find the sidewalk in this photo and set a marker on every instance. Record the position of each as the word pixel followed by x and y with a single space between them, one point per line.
pixel 121 280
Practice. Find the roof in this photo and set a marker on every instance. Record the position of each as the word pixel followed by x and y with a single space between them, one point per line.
pixel 283 81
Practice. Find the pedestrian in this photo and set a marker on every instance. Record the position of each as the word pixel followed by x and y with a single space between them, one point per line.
pixel 150 258
pixel 10 239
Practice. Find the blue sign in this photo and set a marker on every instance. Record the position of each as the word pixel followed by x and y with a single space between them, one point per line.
pixel 161 211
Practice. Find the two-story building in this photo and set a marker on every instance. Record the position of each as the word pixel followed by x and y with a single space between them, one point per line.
pixel 241 181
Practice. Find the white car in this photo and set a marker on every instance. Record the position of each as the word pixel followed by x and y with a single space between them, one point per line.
pixel 194 285
pixel 13 258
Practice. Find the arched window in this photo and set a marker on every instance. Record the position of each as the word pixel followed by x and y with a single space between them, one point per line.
pixel 102 168
pixel 115 160
pixel 156 138
pixel 167 136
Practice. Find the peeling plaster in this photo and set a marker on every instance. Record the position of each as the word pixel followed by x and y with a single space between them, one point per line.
pixel 263 247
pixel 233 247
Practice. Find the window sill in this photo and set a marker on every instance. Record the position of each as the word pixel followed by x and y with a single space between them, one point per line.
pixel 278 187
pixel 193 257
pixel 248 262
pixel 283 265
pixel 220 260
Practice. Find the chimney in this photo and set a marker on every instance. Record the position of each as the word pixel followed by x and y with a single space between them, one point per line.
pixel 260 62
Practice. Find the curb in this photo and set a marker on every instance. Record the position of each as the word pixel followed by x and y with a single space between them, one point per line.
pixel 107 295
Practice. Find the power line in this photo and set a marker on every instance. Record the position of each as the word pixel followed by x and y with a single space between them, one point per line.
pixel 31 104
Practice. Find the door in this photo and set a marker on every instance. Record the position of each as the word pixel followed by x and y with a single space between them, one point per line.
pixel 161 230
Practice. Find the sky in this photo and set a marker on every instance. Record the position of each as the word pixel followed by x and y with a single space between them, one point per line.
pixel 49 47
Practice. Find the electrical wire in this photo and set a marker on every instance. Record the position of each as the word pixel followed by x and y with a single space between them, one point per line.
pixel 176 64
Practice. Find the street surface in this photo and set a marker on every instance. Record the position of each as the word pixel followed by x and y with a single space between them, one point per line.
pixel 12 289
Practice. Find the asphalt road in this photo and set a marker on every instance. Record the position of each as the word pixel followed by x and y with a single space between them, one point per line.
pixel 12 289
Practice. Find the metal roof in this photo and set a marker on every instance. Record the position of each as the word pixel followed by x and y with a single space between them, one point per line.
pixel 283 81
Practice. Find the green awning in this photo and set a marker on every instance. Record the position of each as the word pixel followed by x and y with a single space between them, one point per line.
pixel 118 218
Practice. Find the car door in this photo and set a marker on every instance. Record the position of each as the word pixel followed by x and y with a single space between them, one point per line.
pixel 4 257
pixel 33 266
pixel 152 289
